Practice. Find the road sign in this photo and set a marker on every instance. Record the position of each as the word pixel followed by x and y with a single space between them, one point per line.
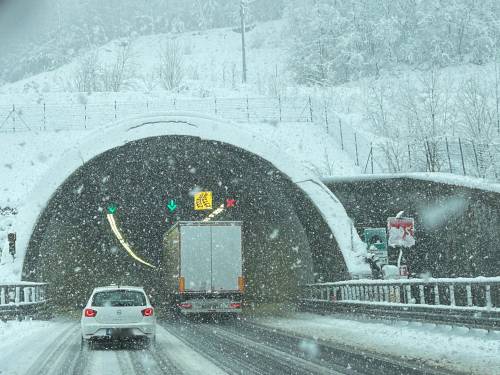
pixel 376 242
pixel 401 231
pixel 403 270
pixel 203 200
pixel 230 202
pixel 171 205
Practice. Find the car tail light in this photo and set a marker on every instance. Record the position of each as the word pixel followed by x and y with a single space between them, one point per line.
pixel 235 305
pixel 147 312
pixel 89 313
pixel 185 305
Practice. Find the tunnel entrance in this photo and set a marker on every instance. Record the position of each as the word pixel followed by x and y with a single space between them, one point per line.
pixel 286 242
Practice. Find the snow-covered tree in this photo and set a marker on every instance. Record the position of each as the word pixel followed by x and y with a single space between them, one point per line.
pixel 337 41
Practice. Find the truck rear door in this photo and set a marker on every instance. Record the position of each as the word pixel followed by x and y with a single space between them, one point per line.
pixel 196 257
pixel 226 257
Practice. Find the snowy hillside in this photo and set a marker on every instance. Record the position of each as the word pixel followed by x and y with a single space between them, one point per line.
pixel 405 120
pixel 211 63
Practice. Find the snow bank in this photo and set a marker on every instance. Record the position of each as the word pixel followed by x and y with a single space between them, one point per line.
pixel 456 349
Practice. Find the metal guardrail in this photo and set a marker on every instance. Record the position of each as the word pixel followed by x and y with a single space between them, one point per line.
pixel 469 301
pixel 23 299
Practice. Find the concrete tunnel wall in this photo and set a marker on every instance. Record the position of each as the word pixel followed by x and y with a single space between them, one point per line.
pixel 457 221
pixel 125 131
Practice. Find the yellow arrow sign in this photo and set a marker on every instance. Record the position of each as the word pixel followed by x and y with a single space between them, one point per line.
pixel 203 200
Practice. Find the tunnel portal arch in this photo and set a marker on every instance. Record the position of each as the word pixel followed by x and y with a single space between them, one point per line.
pixel 186 124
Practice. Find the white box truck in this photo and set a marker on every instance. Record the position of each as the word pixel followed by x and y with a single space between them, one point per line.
pixel 203 266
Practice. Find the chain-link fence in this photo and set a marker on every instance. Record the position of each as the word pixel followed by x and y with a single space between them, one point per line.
pixel 371 153
pixel 76 116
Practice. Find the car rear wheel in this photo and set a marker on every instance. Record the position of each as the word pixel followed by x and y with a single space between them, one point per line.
pixel 87 344
pixel 150 342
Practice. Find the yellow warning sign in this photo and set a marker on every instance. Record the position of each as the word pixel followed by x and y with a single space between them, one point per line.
pixel 203 200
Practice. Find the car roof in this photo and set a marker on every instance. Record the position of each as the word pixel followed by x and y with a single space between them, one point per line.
pixel 118 287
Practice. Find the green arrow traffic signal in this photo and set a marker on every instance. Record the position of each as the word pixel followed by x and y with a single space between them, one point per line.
pixel 171 205
pixel 112 208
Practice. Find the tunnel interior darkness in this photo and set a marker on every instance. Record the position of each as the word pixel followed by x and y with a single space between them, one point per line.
pixel 286 242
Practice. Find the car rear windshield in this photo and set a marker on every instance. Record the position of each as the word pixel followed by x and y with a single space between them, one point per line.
pixel 119 298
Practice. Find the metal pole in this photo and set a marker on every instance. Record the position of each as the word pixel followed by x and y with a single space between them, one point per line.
pixel 279 105
pixel 475 157
pixel 448 153
pixel 461 154
pixel 356 145
pixel 342 136
pixel 248 110
pixel 409 156
pixel 311 110
pixel 371 151
pixel 326 119
pixel 243 46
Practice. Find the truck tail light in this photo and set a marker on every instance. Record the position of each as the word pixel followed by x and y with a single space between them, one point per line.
pixel 185 305
pixel 182 284
pixel 89 313
pixel 147 312
pixel 235 305
pixel 241 283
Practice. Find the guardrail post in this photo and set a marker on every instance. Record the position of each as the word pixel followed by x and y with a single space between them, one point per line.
pixel 408 294
pixel 452 294
pixel 422 295
pixel 342 293
pixel 397 290
pixel 328 293
pixel 18 295
pixel 2 296
pixel 488 296
pixel 386 293
pixel 469 295
pixel 436 295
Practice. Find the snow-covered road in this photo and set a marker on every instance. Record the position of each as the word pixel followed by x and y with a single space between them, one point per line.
pixel 193 347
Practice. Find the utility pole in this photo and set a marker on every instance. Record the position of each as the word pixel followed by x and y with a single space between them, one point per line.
pixel 243 52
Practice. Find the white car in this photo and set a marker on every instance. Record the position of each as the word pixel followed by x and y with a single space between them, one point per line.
pixel 118 312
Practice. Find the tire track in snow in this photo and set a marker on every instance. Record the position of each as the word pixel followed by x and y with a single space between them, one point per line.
pixel 228 359
pixel 46 361
pixel 124 362
pixel 165 364
pixel 295 364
